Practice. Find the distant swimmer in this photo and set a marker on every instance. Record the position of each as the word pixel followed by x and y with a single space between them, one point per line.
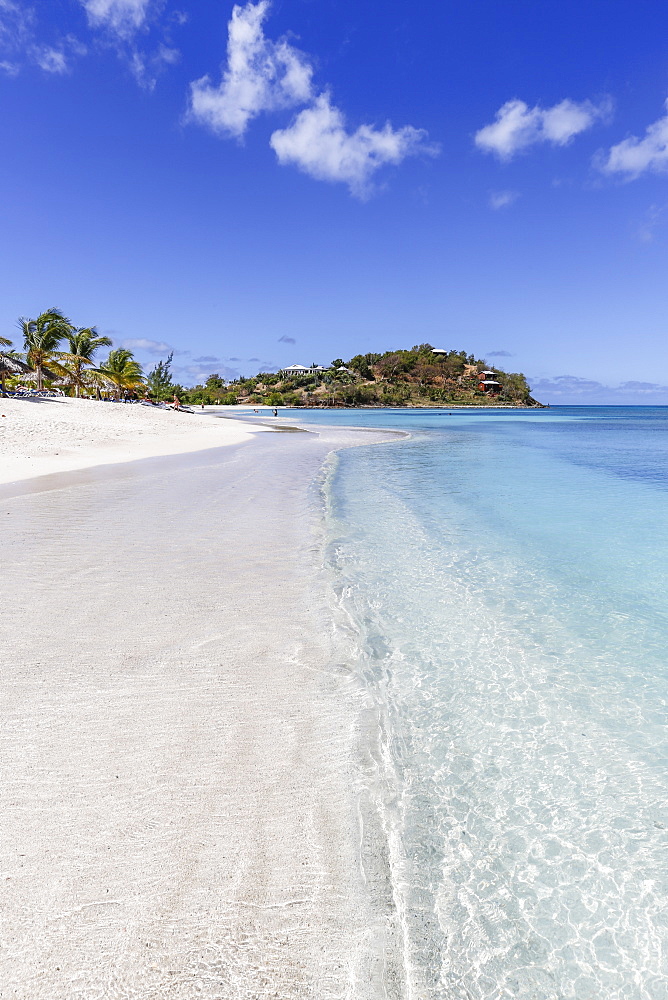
pixel 275 412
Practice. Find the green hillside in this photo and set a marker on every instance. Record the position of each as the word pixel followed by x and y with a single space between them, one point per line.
pixel 415 377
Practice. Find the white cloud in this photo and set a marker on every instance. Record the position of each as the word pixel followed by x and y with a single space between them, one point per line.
pixel 655 217
pixel 122 17
pixel 147 66
pixel 167 55
pixel 264 75
pixel 50 60
pixel 517 126
pixel 20 44
pixel 569 389
pixel 16 31
pixel 57 58
pixel 16 21
pixel 634 156
pixel 122 23
pixel 317 143
pixel 197 374
pixel 261 75
pixel 150 346
pixel 499 199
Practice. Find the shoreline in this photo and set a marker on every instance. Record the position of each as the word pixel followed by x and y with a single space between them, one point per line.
pixel 434 406
pixel 42 436
pixel 46 436
pixel 185 731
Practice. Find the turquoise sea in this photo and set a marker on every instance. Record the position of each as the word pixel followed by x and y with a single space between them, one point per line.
pixel 507 572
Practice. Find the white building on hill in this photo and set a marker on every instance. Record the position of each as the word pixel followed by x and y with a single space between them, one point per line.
pixel 302 370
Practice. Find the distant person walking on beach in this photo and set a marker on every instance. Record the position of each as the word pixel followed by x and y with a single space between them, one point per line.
pixel 176 403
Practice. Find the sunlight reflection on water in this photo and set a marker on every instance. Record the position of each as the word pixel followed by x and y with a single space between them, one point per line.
pixel 514 572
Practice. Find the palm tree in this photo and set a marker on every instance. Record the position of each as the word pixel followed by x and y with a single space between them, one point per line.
pixel 121 369
pixel 41 339
pixel 10 363
pixel 83 344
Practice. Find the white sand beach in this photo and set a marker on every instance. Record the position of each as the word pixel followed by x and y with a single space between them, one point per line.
pixel 185 802
pixel 42 435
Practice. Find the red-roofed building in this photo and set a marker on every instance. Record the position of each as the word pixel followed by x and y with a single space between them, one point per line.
pixel 487 382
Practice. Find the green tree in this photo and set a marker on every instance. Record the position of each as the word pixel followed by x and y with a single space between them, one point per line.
pixel 83 344
pixel 392 363
pixel 361 364
pixel 122 369
pixel 5 367
pixel 10 364
pixel 41 340
pixel 159 380
pixel 515 388
pixel 245 386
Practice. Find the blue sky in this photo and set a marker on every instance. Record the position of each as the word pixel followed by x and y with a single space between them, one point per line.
pixel 297 181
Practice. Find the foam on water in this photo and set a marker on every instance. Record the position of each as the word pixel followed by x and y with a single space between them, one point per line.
pixel 508 576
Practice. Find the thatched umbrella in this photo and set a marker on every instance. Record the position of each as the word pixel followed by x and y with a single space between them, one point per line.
pixel 10 365
pixel 96 380
pixel 28 375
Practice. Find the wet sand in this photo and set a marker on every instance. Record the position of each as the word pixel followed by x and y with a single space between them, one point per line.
pixel 183 751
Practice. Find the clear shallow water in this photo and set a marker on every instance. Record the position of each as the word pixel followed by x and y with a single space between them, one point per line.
pixel 508 573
